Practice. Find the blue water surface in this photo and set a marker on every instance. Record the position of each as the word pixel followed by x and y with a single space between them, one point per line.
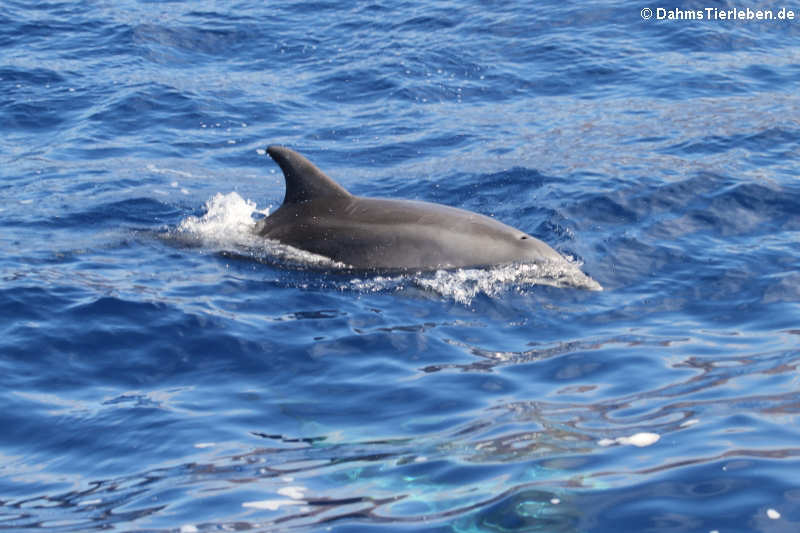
pixel 159 378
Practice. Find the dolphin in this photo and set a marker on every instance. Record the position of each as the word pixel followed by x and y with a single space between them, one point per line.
pixel 320 216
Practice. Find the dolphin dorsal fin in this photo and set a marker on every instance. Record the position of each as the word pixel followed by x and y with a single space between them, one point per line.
pixel 304 181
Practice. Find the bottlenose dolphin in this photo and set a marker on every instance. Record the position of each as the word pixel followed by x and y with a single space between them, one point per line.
pixel 318 215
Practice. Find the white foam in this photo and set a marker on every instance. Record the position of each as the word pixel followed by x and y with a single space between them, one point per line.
pixel 295 493
pixel 640 440
pixel 465 284
pixel 228 219
pixel 271 505
pixel 228 224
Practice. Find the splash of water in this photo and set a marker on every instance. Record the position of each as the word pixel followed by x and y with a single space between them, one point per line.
pixel 228 220
pixel 228 225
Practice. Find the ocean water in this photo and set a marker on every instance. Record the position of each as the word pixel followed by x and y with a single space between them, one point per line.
pixel 164 371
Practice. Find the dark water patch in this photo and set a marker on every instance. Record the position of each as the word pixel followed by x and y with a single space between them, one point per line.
pixel 391 154
pixel 134 212
pixel 782 140
pixel 227 19
pixel 429 23
pixel 34 117
pixel 91 149
pixel 749 207
pixel 519 184
pixel 152 107
pixel 98 339
pixel 680 85
pixel 605 210
pixel 31 304
pixel 730 485
pixel 740 210
pixel 705 38
pixel 772 140
pixel 311 6
pixel 764 75
pixel 435 93
pixel 241 115
pixel 710 145
pixel 353 86
pixel 34 76
pixel 706 203
pixel 529 510
pixel 188 45
pixel 112 41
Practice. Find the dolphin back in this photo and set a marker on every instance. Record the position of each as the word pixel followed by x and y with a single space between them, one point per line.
pixel 318 215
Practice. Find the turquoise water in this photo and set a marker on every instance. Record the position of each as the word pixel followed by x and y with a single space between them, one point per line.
pixel 163 371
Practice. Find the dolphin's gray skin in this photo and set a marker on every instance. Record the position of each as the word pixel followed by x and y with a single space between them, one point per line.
pixel 318 215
